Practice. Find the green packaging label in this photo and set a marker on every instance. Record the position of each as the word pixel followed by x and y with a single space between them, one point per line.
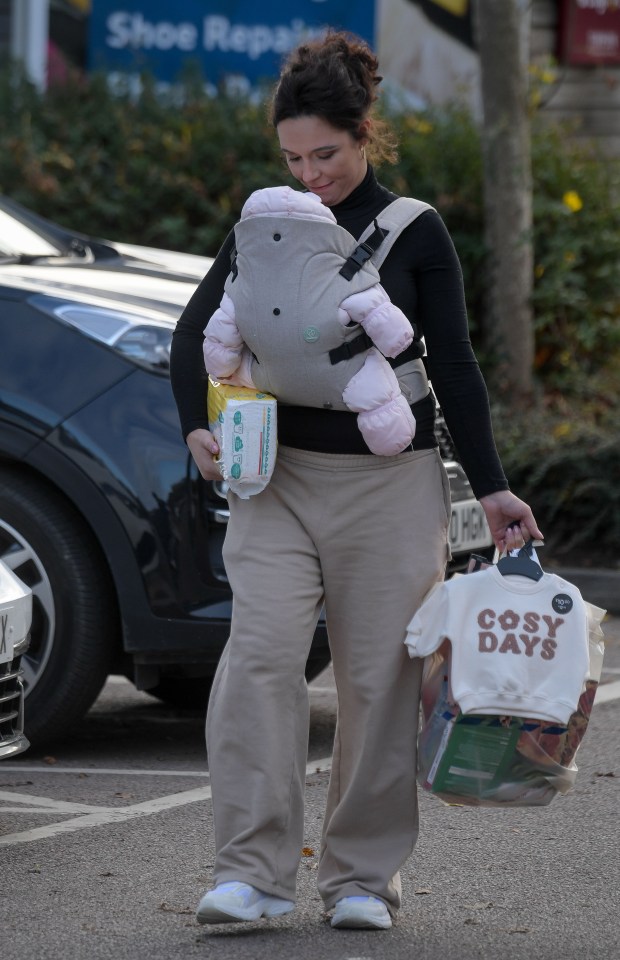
pixel 474 755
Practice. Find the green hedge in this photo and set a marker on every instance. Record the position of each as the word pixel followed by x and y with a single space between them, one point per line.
pixel 173 171
pixel 567 466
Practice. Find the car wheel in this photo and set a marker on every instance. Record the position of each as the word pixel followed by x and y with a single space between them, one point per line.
pixel 74 622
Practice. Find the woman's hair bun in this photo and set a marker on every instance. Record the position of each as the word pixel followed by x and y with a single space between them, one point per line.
pixel 334 77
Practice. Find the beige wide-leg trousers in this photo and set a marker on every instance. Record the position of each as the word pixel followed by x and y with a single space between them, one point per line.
pixel 367 537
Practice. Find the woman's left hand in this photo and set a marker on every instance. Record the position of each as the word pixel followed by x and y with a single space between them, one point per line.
pixel 510 520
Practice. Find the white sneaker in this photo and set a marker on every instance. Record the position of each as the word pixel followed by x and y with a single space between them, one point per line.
pixel 361 913
pixel 233 901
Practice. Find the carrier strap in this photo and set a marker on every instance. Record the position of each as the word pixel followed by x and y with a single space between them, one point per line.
pixel 363 342
pixel 349 349
pixel 362 253
pixel 233 263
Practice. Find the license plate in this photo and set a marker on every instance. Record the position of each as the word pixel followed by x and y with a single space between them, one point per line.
pixel 15 612
pixel 7 638
pixel 468 527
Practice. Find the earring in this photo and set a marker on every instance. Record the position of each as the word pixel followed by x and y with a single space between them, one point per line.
pixel 363 152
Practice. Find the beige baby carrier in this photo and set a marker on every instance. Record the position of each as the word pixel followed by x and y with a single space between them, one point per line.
pixel 289 274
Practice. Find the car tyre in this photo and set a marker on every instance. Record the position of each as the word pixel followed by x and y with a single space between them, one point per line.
pixel 74 623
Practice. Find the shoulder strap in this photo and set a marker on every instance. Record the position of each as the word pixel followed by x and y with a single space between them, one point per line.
pixel 363 252
pixel 392 221
pixel 374 244
pixel 379 237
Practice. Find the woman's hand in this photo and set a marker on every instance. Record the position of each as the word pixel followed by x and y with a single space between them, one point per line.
pixel 510 520
pixel 203 446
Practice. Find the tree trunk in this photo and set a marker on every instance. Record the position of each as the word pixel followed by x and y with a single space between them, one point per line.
pixel 502 28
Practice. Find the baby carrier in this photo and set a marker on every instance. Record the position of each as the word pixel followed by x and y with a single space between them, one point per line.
pixel 288 277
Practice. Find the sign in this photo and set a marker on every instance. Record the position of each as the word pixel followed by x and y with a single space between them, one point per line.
pixel 235 42
pixel 590 32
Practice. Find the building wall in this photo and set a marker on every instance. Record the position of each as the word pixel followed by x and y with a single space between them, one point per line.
pixel 589 96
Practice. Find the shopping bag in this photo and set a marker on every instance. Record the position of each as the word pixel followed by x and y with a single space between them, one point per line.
pixel 487 760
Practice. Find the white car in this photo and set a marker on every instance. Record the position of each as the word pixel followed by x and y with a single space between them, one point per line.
pixel 15 621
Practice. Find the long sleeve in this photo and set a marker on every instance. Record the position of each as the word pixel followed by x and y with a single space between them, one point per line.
pixel 451 364
pixel 429 626
pixel 187 370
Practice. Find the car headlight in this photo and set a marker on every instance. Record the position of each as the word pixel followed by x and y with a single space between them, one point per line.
pixel 145 341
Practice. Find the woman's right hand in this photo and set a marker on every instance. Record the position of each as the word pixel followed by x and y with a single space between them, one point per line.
pixel 203 446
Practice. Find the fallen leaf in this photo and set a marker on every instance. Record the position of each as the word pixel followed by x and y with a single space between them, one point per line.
pixel 307 852
pixel 472 920
pixel 125 796
pixel 519 930
pixel 106 874
pixel 50 760
pixel 166 908
pixel 610 774
pixel 480 905
pixel 421 890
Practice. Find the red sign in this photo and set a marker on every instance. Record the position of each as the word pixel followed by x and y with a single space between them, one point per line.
pixel 590 32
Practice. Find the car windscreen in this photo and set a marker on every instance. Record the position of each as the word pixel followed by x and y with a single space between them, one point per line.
pixel 17 239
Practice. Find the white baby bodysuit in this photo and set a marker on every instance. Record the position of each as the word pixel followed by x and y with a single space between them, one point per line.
pixel 519 647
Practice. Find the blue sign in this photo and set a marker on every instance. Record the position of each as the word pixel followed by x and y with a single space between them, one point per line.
pixel 233 40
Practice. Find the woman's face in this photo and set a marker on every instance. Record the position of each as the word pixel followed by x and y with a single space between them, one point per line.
pixel 328 161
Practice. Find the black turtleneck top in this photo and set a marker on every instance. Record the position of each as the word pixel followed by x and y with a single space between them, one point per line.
pixel 421 275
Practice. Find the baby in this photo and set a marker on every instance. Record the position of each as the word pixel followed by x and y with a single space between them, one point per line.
pixel 308 332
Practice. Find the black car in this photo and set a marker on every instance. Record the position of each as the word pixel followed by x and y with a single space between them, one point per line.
pixel 102 511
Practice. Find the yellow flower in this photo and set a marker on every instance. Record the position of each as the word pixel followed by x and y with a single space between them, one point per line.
pixel 425 127
pixel 562 430
pixel 539 270
pixel 569 257
pixel 572 200
pixel 420 126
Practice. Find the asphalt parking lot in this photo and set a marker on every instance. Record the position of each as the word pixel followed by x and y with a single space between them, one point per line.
pixel 105 844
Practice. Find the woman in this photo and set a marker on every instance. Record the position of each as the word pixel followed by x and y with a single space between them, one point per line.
pixel 366 536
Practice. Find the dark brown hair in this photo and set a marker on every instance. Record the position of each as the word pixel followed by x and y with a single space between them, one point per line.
pixel 335 78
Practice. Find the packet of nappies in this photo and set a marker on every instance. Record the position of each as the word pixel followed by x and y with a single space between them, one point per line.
pixel 244 423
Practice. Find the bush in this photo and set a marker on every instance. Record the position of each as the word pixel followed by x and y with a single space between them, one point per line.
pixel 577 252
pixel 146 170
pixel 566 467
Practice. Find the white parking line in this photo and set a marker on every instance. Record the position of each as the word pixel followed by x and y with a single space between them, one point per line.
pixel 107 815
pixel 60 806
pixel 107 771
pixel 101 816
pixel 96 816
pixel 607 692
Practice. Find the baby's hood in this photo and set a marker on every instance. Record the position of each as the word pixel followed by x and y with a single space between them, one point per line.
pixel 285 202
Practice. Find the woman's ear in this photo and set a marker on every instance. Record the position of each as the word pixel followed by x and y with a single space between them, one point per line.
pixel 364 131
